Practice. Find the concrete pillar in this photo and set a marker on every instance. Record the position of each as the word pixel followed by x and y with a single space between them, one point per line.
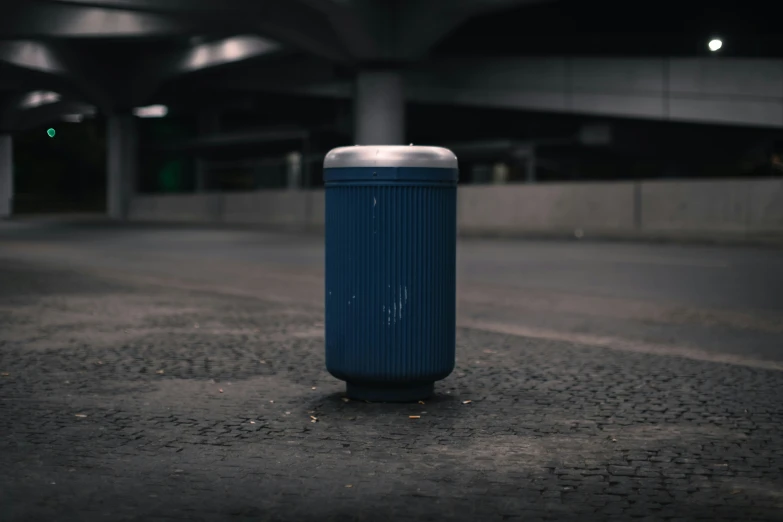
pixel 121 160
pixel 500 173
pixel 379 108
pixel 294 170
pixel 6 175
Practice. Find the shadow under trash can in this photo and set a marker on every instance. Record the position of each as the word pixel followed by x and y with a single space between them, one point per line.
pixel 391 233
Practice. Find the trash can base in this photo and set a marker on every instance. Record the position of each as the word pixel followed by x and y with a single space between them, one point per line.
pixel 380 393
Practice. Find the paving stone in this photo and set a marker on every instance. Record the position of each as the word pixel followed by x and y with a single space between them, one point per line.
pixel 170 446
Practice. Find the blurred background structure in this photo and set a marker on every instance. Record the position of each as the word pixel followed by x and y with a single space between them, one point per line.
pixel 594 118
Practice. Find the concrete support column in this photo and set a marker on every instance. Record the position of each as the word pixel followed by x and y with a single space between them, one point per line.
pixel 500 174
pixel 6 175
pixel 379 108
pixel 121 160
pixel 294 171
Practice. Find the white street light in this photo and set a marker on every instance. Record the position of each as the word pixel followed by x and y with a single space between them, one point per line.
pixel 715 44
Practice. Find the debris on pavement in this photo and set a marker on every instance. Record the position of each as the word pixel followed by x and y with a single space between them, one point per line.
pixel 220 390
pixel 313 387
pixel 349 485
pixel 81 415
pixel 414 416
pixel 467 401
pixel 262 361
pixel 252 422
pixel 5 374
pixel 314 419
pixel 160 372
pixel 421 402
pixel 346 399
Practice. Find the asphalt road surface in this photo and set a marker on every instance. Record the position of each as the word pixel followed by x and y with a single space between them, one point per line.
pixel 173 373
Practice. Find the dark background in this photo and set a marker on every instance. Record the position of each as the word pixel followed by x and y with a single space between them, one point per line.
pixel 68 171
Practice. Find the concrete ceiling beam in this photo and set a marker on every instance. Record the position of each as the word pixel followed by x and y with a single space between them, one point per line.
pixel 35 19
pixel 289 22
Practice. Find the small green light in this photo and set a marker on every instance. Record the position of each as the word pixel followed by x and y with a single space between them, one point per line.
pixel 51 133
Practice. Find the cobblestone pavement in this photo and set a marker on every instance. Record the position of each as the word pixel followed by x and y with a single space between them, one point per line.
pixel 124 398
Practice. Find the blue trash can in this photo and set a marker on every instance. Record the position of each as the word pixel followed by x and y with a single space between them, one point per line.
pixel 391 233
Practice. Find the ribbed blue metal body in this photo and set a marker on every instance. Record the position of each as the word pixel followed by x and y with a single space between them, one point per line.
pixel 390 275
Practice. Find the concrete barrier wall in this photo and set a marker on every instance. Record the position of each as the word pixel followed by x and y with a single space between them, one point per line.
pixel 766 206
pixel 317 208
pixel 509 209
pixel 703 209
pixel 716 206
pixel 274 209
pixel 285 209
pixel 175 208
pixel 722 206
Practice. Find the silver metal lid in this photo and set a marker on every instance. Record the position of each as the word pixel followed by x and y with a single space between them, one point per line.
pixel 390 156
